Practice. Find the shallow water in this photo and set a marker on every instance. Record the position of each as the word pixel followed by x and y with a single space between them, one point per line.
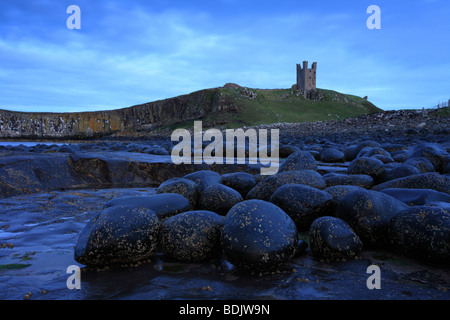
pixel 43 230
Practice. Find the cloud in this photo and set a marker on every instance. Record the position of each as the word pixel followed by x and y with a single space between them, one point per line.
pixel 134 52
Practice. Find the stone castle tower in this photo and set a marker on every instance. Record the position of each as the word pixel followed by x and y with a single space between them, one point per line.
pixel 306 81
pixel 306 78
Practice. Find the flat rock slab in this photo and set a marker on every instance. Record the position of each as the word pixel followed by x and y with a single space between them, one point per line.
pixel 39 232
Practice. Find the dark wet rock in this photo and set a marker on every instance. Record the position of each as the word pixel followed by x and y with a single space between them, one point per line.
pixel 399 156
pixel 383 158
pixel 422 232
pixel 118 235
pixel 424 165
pixel 368 213
pixel 204 178
pixel 394 147
pixel 164 204
pixel 258 236
pixel 369 152
pixel 300 160
pixel 361 180
pixel 368 166
pixel 219 198
pixel 332 238
pixel 400 171
pixel 192 236
pixel 417 197
pixel 350 153
pixel 431 180
pixel 331 155
pixel 187 188
pixel 66 149
pixel 265 188
pixel 443 205
pixel 433 152
pixel 340 191
pixel 367 144
pixel 286 150
pixel 302 203
pixel 242 182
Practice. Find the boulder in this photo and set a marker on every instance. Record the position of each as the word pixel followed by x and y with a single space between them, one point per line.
pixel 204 178
pixel 360 180
pixel 266 187
pixel 430 151
pixel 368 166
pixel 242 182
pixel 164 204
pixel 422 232
pixel 118 235
pixel 286 150
pixel 219 198
pixel 332 239
pixel 300 160
pixel 431 180
pixel 368 213
pixel 192 236
pixel 400 171
pixel 417 197
pixel 424 165
pixel 302 203
pixel 185 187
pixel 340 191
pixel 258 236
pixel 332 155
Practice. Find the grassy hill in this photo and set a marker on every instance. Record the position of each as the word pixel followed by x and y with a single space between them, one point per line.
pixel 249 107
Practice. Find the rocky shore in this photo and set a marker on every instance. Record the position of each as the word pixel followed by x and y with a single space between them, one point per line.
pixel 373 190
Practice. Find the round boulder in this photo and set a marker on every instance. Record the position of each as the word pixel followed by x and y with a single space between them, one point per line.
pixel 332 155
pixel 300 160
pixel 422 232
pixel 219 198
pixel 185 187
pixel 164 204
pixel 431 180
pixel 424 165
pixel 204 178
pixel 340 191
pixel 258 236
pixel 192 236
pixel 332 238
pixel 118 235
pixel 369 166
pixel 242 182
pixel 266 187
pixel 368 213
pixel 302 203
pixel 360 180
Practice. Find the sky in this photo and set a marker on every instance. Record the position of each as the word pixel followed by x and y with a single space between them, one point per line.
pixel 132 52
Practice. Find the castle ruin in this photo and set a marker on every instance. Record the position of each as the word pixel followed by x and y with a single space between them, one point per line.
pixel 306 80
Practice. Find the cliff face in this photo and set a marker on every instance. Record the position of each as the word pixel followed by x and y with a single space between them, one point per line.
pixel 137 118
pixel 230 105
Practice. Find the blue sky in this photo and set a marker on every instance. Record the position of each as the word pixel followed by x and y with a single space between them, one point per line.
pixel 132 52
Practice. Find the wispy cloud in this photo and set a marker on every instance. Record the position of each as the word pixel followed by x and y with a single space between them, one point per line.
pixel 138 51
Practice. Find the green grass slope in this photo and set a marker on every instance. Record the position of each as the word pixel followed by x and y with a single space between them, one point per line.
pixel 240 106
